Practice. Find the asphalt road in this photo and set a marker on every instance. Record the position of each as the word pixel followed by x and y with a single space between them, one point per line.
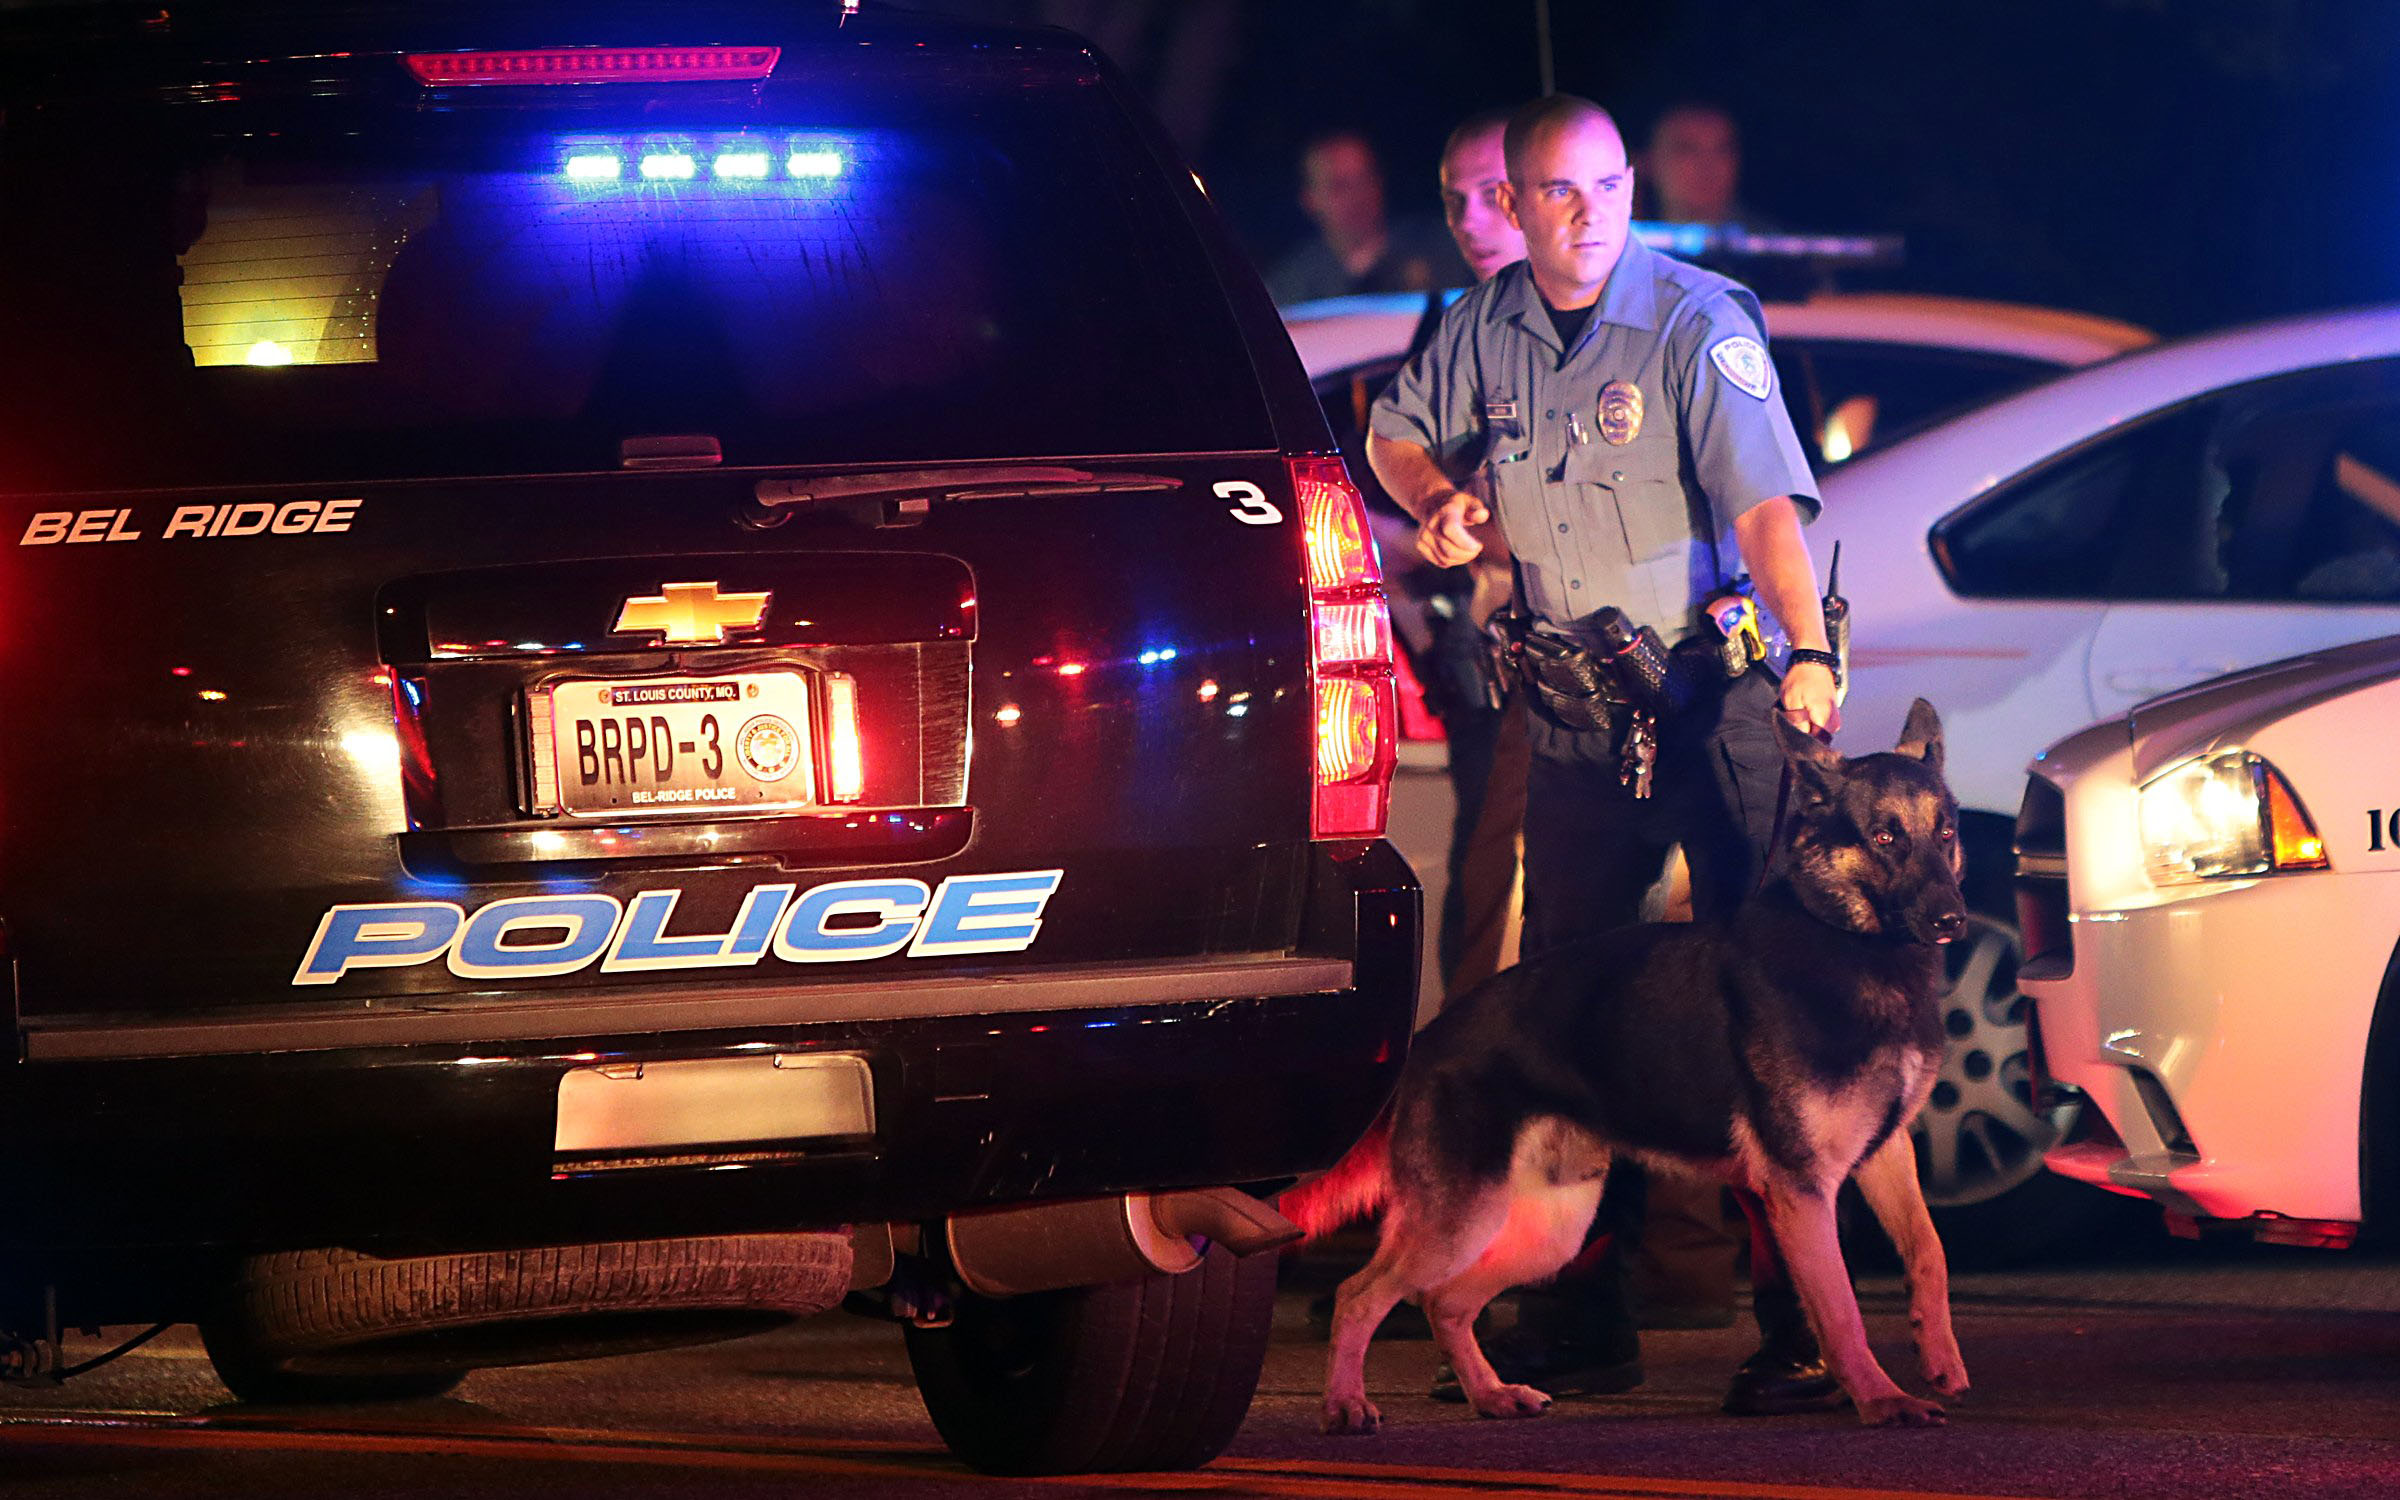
pixel 2168 1371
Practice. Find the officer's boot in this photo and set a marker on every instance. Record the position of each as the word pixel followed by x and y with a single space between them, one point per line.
pixel 1788 1372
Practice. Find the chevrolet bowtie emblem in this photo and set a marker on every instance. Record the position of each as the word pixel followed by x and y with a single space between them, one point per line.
pixel 691 612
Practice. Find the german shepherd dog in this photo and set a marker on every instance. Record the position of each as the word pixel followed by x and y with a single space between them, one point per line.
pixel 1779 1052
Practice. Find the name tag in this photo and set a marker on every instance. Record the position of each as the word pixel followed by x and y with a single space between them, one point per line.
pixel 1500 411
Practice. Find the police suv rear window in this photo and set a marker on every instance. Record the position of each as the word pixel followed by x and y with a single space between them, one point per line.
pixel 898 265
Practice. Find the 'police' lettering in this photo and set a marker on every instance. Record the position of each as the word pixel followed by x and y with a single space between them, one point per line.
pixel 532 937
pixel 985 914
pixel 582 924
pixel 389 936
pixel 808 936
pixel 642 942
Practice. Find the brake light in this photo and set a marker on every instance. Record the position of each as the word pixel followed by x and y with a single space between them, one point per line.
pixel 594 65
pixel 845 768
pixel 1350 656
pixel 1353 632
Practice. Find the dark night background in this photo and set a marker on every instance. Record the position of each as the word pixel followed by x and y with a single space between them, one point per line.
pixel 2180 163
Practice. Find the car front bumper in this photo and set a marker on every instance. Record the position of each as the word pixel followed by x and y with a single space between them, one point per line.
pixel 2220 1029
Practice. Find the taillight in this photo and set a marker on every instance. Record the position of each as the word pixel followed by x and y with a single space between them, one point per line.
pixel 845 768
pixel 1350 655
pixel 595 65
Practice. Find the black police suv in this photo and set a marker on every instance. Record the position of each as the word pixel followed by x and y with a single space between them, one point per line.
pixel 661 663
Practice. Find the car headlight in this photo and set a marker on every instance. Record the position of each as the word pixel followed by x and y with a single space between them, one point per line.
pixel 2222 817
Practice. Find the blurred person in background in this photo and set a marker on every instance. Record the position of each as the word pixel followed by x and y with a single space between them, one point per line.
pixel 1357 248
pixel 1691 173
pixel 1692 168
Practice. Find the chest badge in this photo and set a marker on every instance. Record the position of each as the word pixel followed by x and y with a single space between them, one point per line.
pixel 1620 412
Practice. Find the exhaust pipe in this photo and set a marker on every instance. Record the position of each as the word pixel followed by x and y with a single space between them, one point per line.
pixel 1045 1247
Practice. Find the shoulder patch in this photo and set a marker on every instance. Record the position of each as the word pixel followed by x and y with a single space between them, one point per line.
pixel 1743 360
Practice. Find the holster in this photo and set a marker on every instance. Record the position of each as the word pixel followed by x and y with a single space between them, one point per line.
pixel 1576 687
pixel 1570 684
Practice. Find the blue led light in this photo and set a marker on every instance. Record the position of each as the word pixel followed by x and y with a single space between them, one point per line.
pixel 730 157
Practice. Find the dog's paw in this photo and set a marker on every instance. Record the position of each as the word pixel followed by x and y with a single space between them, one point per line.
pixel 1945 1371
pixel 1513 1401
pixel 1900 1411
pixel 1353 1416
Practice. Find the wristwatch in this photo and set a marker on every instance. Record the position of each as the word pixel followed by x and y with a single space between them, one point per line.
pixel 1825 659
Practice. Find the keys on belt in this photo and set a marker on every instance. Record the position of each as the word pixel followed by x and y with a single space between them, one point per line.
pixel 1640 760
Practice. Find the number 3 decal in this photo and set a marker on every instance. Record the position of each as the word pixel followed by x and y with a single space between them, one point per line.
pixel 1251 506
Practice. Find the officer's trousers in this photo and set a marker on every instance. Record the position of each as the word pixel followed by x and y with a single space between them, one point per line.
pixel 1592 850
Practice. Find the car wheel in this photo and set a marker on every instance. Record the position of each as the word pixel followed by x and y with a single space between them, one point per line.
pixel 1152 1374
pixel 1980 1137
pixel 336 1325
pixel 256 1376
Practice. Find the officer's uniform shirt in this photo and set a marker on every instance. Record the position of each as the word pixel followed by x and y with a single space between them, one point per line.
pixel 1598 507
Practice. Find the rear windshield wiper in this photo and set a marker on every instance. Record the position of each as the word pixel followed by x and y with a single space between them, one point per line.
pixel 908 494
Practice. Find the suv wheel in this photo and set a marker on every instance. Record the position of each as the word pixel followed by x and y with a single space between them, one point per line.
pixel 336 1325
pixel 1142 1375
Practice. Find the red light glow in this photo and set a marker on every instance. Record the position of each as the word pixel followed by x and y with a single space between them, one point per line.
pixel 1358 632
pixel 1333 518
pixel 594 65
pixel 846 762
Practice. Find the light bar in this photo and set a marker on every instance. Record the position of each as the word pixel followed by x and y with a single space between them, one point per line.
pixel 1691 241
pixel 605 161
pixel 594 65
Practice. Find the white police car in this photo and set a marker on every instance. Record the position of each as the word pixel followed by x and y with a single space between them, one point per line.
pixel 2066 553
pixel 2211 892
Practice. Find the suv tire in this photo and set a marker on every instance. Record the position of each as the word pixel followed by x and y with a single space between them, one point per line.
pixel 1153 1374
pixel 336 1325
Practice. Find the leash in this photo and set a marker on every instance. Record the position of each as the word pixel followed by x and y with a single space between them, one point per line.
pixel 1783 798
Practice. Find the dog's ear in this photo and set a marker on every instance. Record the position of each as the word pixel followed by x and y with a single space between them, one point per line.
pixel 1921 736
pixel 1815 765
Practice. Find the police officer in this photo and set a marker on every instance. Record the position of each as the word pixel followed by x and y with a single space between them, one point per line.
pixel 1619 410
pixel 1474 178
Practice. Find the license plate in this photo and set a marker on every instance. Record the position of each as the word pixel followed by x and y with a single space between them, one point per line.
pixel 739 741
pixel 673 1107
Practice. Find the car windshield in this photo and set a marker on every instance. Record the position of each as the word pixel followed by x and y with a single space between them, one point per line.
pixel 903 267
